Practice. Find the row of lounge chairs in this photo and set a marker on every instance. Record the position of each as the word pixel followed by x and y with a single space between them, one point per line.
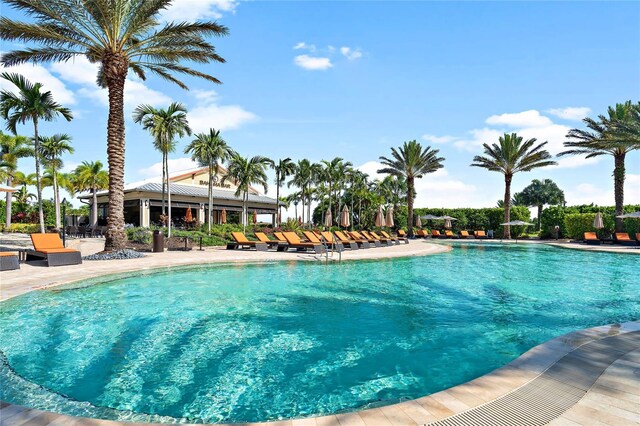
pixel 315 241
pixel 622 238
pixel 478 235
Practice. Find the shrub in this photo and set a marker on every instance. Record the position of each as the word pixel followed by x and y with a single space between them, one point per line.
pixel 477 219
pixel 22 228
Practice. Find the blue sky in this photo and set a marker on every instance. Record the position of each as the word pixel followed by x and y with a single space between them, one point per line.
pixel 353 79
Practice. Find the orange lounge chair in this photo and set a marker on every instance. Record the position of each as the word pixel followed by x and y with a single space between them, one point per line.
pixel 295 242
pixel 401 233
pixel 277 244
pixel 346 240
pixel 332 238
pixel 638 238
pixel 591 238
pixel 383 240
pixel 436 234
pixel 624 239
pixel 50 248
pixel 280 236
pixel 449 234
pixel 9 260
pixel 465 234
pixel 421 233
pixel 357 236
pixel 330 242
pixel 396 239
pixel 480 235
pixel 241 241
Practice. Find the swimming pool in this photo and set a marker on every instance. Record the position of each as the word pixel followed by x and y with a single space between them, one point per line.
pixel 236 343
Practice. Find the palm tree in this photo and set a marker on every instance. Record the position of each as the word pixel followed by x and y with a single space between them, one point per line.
pixel 283 168
pixel 411 162
pixel 90 176
pixel 52 148
pixel 302 178
pixel 164 125
pixel 538 193
pixel 510 157
pixel 210 150
pixel 119 35
pixel 12 148
pixel 610 134
pixel 22 197
pixel 246 172
pixel 29 104
pixel 333 173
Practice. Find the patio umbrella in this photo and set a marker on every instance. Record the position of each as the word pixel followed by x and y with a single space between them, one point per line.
pixel 380 222
pixel 328 219
pixel 597 222
pixel 344 218
pixel 223 216
pixel 516 223
pixel 4 188
pixel 188 217
pixel 430 217
pixel 418 222
pixel 629 215
pixel 390 217
pixel 255 216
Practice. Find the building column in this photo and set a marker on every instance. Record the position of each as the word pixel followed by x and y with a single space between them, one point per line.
pixel 145 213
pixel 201 215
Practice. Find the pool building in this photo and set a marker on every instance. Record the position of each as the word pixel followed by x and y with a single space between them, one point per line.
pixel 189 189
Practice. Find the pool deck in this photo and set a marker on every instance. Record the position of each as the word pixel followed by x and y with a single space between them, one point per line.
pixel 587 377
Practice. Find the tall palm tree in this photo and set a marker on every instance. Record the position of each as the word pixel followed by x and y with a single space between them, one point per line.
pixel 209 150
pixel 12 148
pixel 612 134
pixel 164 125
pixel 302 178
pixel 52 148
pixel 90 176
pixel 333 172
pixel 411 162
pixel 246 172
pixel 119 35
pixel 283 168
pixel 29 104
pixel 511 156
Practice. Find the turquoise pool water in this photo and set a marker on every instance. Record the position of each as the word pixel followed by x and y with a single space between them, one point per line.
pixel 281 340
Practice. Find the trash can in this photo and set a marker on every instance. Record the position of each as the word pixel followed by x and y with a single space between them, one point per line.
pixel 158 241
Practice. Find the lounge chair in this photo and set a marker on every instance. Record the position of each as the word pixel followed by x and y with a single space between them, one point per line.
pixel 50 248
pixel 241 241
pixel 623 238
pixel 592 239
pixel 346 240
pixel 280 236
pixel 421 233
pixel 330 242
pixel 9 260
pixel 277 244
pixel 436 234
pixel 397 239
pixel 357 236
pixel 450 234
pixel 384 240
pixel 638 238
pixel 295 242
pixel 465 234
pixel 401 233
pixel 480 235
pixel 333 239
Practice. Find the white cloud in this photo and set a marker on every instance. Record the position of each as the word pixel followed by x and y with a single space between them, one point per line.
pixel 176 165
pixel 305 46
pixel 438 139
pixel 209 113
pixel 350 53
pixel 570 113
pixel 39 74
pixel 602 194
pixel 191 10
pixel 312 62
pixel 531 118
pixel 478 137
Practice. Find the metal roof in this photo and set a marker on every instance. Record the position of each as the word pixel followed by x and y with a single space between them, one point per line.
pixel 191 191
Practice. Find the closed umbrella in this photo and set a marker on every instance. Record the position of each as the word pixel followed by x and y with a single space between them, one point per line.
pixel 223 216
pixel 447 223
pixel 418 222
pixel 255 216
pixel 380 222
pixel 597 222
pixel 344 218
pixel 328 219
pixel 390 217
pixel 188 217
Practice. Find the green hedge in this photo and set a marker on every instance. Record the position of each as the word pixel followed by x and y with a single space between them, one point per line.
pixel 22 228
pixel 478 219
pixel 574 221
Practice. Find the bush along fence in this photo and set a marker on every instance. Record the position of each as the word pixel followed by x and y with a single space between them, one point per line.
pixel 574 221
pixel 478 219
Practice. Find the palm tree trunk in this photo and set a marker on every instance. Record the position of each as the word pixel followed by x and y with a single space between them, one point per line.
pixel 210 200
pixel 36 156
pixel 115 73
pixel 618 181
pixel 168 203
pixel 410 206
pixel 539 214
pixel 244 211
pixel 164 180
pixel 9 198
pixel 277 221
pixel 94 207
pixel 507 206
pixel 56 197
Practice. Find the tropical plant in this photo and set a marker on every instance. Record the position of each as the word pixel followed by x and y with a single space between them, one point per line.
pixel 52 148
pixel 12 148
pixel 22 197
pixel 509 157
pixel 164 125
pixel 334 173
pixel 118 35
pixel 283 168
pixel 90 176
pixel 246 172
pixel 303 179
pixel 209 150
pixel 29 104
pixel 615 134
pixel 539 193
pixel 516 200
pixel 411 162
